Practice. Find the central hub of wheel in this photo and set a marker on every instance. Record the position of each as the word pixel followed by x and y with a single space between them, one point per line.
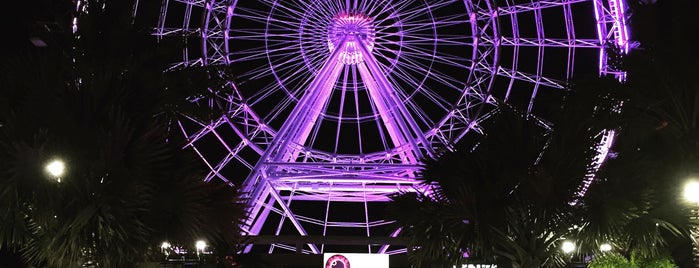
pixel 353 28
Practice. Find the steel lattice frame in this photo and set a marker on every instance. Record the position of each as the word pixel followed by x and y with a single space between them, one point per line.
pixel 337 100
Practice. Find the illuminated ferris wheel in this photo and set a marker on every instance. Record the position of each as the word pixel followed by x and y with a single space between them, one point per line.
pixel 336 101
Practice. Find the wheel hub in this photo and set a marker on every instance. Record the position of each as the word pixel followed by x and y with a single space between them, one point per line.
pixel 354 28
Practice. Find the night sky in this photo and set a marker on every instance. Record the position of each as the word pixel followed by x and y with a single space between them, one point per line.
pixel 39 21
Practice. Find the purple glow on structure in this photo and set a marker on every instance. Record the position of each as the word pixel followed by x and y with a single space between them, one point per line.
pixel 385 82
pixel 358 28
pixel 611 26
pixel 603 149
pixel 384 248
pixel 622 38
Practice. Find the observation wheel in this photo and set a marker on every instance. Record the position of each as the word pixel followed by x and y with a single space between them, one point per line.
pixel 336 101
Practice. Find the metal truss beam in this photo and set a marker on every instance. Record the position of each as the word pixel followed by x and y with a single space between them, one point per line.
pixel 544 42
pixel 612 30
pixel 532 6
pixel 402 127
pixel 294 131
pixel 532 78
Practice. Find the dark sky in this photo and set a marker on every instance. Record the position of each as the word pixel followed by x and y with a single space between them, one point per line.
pixel 37 18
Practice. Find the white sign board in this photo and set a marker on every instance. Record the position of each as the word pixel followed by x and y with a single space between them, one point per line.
pixel 355 260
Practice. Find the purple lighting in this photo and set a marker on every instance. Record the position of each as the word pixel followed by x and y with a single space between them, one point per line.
pixel 335 102
pixel 358 29
pixel 611 28
pixel 603 152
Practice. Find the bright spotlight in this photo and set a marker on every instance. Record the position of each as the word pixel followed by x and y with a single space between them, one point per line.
pixel 56 168
pixel 200 245
pixel 165 245
pixel 605 247
pixel 691 191
pixel 568 246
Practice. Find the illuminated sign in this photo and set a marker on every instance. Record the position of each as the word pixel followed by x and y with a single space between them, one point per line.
pixel 355 260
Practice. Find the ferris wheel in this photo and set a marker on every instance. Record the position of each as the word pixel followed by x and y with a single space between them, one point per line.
pixel 335 102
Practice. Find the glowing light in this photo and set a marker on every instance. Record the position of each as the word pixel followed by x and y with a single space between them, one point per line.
pixel 568 246
pixel 605 247
pixel 56 169
pixel 691 191
pixel 75 24
pixel 603 151
pixel 352 29
pixel 165 245
pixel 611 23
pixel 200 245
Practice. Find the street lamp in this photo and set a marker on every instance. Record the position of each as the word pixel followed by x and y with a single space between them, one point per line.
pixel 691 191
pixel 200 245
pixel 691 195
pixel 165 249
pixel 568 247
pixel 56 168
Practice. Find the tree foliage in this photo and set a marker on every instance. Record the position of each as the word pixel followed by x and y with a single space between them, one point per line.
pixel 508 197
pixel 128 184
pixel 616 260
pixel 513 195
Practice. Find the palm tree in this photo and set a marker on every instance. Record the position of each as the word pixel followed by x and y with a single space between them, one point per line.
pixel 128 185
pixel 505 198
pixel 658 147
pixel 499 207
pixel 513 197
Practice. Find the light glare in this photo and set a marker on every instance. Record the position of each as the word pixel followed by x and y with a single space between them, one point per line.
pixel 201 245
pixel 568 246
pixel 605 247
pixel 56 168
pixel 165 245
pixel 691 191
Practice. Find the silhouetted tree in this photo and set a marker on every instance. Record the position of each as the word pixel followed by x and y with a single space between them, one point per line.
pixel 100 101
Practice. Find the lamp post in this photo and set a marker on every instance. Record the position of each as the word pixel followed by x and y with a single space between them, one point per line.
pixel 568 247
pixel 691 195
pixel 165 249
pixel 56 168
pixel 200 245
pixel 691 192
